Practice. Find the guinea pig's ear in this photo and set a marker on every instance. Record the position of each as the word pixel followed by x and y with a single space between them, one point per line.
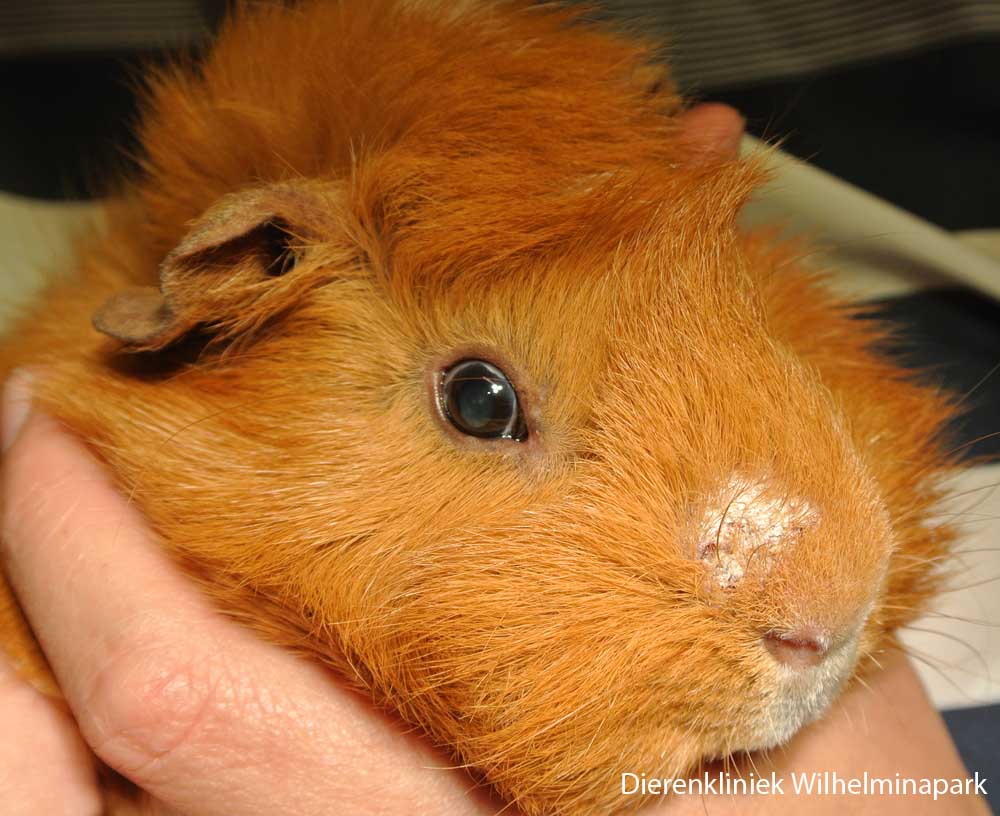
pixel 235 268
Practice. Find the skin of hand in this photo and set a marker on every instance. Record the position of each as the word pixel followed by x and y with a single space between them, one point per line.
pixel 209 720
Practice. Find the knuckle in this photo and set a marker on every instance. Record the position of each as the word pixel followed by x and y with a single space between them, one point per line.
pixel 149 706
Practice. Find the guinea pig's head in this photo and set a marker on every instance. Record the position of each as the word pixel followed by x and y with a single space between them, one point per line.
pixel 571 510
pixel 509 437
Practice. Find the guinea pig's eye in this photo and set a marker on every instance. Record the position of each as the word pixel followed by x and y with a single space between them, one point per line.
pixel 479 400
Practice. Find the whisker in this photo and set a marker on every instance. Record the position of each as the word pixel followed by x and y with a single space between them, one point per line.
pixel 955 639
pixel 971 621
pixel 972 390
pixel 927 661
pixel 971 490
pixel 971 442
pixel 978 550
pixel 984 582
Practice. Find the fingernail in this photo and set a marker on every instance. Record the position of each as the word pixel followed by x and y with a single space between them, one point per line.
pixel 16 404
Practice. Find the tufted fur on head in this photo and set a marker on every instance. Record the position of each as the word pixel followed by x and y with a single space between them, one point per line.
pixel 342 200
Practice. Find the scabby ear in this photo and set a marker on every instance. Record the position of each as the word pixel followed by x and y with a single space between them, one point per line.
pixel 235 268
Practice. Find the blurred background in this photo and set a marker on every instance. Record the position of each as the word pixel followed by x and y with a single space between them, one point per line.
pixel 900 98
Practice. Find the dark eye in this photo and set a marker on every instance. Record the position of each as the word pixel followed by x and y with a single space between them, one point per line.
pixel 479 400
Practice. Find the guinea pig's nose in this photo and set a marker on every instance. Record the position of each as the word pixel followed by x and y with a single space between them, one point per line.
pixel 798 649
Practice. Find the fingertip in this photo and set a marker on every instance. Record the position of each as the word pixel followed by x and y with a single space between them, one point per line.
pixel 17 395
pixel 715 127
pixel 45 472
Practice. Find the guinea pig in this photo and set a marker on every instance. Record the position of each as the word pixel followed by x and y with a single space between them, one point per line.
pixel 428 343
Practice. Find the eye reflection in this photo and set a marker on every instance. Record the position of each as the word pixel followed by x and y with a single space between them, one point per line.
pixel 479 400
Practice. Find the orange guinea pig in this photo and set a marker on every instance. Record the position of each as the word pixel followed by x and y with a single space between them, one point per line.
pixel 429 343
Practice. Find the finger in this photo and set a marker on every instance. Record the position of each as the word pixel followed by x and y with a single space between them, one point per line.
pixel 715 128
pixel 188 705
pixel 45 766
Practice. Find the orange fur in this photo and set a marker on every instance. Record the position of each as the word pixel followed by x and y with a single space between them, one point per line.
pixel 501 179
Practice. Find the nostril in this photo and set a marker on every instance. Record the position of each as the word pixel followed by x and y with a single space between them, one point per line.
pixel 799 649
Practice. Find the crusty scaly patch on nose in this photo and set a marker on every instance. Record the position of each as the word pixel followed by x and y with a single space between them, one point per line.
pixel 750 523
